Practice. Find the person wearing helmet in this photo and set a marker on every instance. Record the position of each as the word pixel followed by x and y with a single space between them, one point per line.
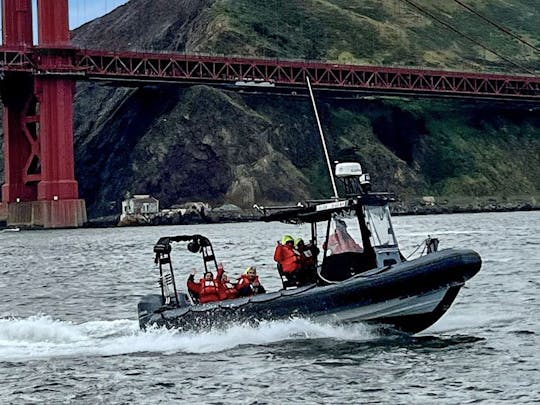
pixel 288 260
pixel 248 284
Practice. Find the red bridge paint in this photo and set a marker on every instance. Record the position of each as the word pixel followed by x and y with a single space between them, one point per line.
pixel 38 85
pixel 138 68
pixel 40 187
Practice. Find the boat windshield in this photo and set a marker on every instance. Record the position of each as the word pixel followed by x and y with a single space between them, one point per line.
pixel 344 236
pixel 379 223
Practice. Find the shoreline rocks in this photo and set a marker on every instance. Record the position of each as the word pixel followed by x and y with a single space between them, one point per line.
pixel 217 217
pixel 399 208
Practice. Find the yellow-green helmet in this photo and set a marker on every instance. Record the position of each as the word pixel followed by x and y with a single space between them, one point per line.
pixel 297 241
pixel 286 238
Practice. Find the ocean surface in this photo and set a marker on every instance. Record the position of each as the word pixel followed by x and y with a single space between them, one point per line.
pixel 69 330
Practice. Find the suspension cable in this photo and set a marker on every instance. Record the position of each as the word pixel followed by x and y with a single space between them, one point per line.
pixel 496 25
pixel 431 15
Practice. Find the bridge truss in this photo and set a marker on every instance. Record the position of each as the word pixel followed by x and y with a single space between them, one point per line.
pixel 133 68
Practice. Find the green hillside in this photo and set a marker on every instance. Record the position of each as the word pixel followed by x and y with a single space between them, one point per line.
pixel 385 32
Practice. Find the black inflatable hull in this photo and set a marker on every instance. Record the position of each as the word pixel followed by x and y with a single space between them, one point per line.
pixel 410 296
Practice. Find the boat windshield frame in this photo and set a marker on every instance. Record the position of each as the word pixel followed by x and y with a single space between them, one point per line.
pixel 378 218
pixel 343 234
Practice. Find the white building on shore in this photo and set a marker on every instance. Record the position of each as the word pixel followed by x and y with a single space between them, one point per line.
pixel 139 204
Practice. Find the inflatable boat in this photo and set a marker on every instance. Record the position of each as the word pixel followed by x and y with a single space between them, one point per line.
pixel 359 274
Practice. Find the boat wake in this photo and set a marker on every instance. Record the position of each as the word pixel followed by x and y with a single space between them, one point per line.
pixel 9 230
pixel 42 337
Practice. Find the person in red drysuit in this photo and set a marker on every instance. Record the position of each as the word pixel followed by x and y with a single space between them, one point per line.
pixel 206 289
pixel 287 258
pixel 226 289
pixel 249 284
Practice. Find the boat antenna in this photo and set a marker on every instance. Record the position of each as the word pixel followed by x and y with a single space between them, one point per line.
pixel 336 196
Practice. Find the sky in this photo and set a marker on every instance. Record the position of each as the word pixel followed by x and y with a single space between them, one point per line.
pixel 81 11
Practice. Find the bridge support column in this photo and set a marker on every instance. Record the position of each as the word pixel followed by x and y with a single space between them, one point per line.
pixel 40 188
pixel 58 202
pixel 17 93
pixel 21 151
pixel 21 147
pixel 57 192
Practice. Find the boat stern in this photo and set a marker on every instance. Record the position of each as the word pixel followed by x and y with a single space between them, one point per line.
pixel 146 309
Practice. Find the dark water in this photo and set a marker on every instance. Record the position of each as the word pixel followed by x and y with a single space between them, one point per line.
pixel 69 334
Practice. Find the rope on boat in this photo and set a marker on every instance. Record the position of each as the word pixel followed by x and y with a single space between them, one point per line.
pixel 319 271
pixel 416 248
pixel 431 244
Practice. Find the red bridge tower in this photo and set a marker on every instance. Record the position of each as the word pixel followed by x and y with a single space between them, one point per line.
pixel 40 187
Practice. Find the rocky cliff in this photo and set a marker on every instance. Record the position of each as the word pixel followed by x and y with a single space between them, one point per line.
pixel 193 143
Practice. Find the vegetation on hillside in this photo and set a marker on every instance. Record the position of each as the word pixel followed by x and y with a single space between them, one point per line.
pixel 385 32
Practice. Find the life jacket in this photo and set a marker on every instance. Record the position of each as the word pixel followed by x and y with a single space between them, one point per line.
pixel 227 291
pixel 244 281
pixel 208 291
pixel 287 257
pixel 245 287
